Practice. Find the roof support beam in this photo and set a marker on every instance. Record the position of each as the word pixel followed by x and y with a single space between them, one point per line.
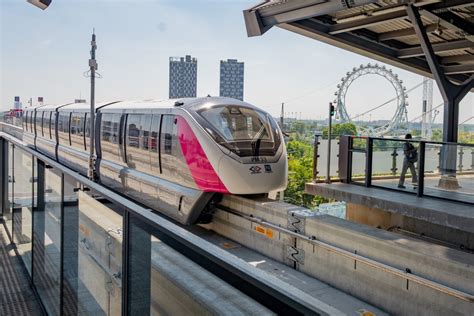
pixel 458 69
pixel 437 48
pixel 405 33
pixel 367 22
pixel 452 94
pixel 466 59
pixel 449 21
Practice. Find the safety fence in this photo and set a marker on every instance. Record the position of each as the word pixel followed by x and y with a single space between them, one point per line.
pixel 436 169
pixel 88 250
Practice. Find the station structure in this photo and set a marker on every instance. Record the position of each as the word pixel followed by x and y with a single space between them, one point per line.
pixel 69 245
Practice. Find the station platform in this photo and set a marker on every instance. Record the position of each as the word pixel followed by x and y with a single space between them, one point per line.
pixel 16 295
pixel 445 220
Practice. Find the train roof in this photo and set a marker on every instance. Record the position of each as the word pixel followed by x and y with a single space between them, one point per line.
pixel 147 105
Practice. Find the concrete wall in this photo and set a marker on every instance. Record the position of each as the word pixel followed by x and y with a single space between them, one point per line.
pixel 379 218
pixel 389 291
pixel 178 286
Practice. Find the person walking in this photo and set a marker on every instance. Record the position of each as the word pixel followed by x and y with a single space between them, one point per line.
pixel 410 157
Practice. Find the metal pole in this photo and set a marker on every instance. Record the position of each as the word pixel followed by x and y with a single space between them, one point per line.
pixel 93 68
pixel 282 115
pixel 315 157
pixel 328 171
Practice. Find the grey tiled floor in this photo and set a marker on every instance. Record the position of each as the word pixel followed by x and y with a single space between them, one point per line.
pixel 16 296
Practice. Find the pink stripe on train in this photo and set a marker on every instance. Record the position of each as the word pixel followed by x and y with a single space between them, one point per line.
pixel 200 167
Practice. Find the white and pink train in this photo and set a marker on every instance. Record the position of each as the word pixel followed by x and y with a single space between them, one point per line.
pixel 174 156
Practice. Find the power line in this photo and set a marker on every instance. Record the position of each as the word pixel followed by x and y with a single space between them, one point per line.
pixel 385 103
pixel 412 120
pixel 466 120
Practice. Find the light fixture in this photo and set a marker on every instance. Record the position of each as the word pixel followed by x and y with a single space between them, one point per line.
pixel 42 4
pixel 438 31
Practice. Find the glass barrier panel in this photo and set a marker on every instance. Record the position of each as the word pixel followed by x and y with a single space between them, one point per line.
pixel 23 201
pixel 358 167
pixel 392 168
pixel 47 238
pixel 323 157
pixel 92 282
pixel 162 281
pixel 8 211
pixel 449 172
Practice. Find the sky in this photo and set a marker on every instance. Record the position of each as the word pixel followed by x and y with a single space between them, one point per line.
pixel 45 53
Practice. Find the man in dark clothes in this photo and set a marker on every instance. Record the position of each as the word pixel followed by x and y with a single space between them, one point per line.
pixel 411 156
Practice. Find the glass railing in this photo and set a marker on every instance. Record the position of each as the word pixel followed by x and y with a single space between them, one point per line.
pixel 89 251
pixel 435 169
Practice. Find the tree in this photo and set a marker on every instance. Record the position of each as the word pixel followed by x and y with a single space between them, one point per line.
pixel 300 171
pixel 341 129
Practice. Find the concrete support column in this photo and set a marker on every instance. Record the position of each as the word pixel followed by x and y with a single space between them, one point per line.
pixel 139 260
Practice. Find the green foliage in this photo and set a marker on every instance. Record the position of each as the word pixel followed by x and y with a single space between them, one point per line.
pixel 300 171
pixel 341 129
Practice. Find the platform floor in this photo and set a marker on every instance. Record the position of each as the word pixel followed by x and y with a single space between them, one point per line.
pixel 16 296
pixel 437 211
pixel 464 193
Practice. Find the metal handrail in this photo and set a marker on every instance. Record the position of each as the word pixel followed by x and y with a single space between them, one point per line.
pixel 247 276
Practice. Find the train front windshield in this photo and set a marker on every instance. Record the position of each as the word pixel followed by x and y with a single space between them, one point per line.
pixel 244 131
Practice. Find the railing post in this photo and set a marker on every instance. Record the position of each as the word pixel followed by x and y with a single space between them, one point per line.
pixel 3 175
pixel 315 157
pixel 368 161
pixel 472 159
pixel 421 168
pixel 394 161
pixel 344 161
pixel 461 154
pixel 439 160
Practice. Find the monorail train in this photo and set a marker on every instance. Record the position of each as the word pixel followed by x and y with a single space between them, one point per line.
pixel 174 156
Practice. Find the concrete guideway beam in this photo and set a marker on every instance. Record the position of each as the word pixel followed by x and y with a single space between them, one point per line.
pixel 365 262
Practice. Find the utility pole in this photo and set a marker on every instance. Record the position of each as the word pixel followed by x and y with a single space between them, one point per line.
pixel 328 170
pixel 282 115
pixel 427 108
pixel 93 68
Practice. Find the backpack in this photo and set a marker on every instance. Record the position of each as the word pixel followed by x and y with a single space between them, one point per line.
pixel 412 153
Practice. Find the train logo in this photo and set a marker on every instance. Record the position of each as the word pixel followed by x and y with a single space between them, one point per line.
pixel 255 170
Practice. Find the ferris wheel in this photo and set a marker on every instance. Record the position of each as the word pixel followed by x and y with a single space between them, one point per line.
pixel 397 120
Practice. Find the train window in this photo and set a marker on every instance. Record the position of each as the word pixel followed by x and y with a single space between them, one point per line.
pixel 154 141
pixel 169 140
pixel 47 124
pixel 236 123
pixel 43 121
pixel 110 137
pixel 87 131
pixel 27 123
pixel 244 131
pixel 137 132
pixel 63 128
pixel 24 120
pixel 39 123
pixel 145 137
pixel 52 126
pixel 77 130
pixel 133 132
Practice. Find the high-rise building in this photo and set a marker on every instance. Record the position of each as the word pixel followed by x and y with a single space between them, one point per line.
pixel 232 79
pixel 183 77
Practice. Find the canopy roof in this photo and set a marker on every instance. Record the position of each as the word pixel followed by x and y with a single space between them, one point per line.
pixel 381 30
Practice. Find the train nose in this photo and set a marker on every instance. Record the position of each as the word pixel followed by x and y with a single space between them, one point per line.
pixel 253 178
